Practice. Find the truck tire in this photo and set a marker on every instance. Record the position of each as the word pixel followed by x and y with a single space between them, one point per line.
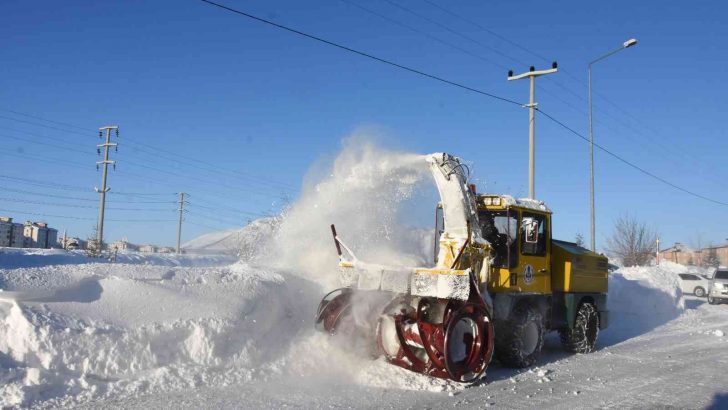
pixel 583 337
pixel 699 291
pixel 519 340
pixel 711 300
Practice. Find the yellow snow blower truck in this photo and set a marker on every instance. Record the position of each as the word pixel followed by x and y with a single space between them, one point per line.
pixel 498 284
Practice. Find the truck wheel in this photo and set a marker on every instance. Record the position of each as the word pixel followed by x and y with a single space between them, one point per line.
pixel 583 337
pixel 518 340
pixel 711 300
pixel 699 291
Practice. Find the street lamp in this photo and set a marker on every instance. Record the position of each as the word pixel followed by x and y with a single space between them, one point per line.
pixel 627 44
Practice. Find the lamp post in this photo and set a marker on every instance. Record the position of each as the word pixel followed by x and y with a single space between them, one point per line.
pixel 627 44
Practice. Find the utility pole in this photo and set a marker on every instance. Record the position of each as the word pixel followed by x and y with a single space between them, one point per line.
pixel 181 211
pixel 657 254
pixel 104 189
pixel 532 74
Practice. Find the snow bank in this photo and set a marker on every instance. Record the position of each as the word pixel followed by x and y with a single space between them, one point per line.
pixel 244 243
pixel 150 329
pixel 642 298
pixel 74 329
pixel 11 258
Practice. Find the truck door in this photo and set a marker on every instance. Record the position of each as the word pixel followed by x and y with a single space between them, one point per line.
pixel 533 271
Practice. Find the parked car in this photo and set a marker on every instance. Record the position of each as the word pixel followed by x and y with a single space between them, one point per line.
pixel 695 284
pixel 718 290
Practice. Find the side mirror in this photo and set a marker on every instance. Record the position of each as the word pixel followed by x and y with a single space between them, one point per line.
pixel 530 228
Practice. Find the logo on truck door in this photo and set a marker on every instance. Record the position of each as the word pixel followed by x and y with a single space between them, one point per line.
pixel 528 274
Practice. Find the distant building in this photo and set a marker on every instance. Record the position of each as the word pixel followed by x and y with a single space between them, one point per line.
pixel 147 248
pixel 716 255
pixel 708 256
pixel 11 233
pixel 166 249
pixel 39 235
pixel 123 245
pixel 679 253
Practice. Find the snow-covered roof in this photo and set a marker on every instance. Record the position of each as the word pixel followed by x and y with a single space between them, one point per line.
pixel 527 203
pixel 678 247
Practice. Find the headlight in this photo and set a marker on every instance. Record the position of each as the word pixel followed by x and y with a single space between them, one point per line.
pixel 496 201
pixel 488 201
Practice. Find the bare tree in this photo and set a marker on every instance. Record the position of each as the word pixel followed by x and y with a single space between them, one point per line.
pixel 93 248
pixel 698 243
pixel 711 259
pixel 579 239
pixel 632 241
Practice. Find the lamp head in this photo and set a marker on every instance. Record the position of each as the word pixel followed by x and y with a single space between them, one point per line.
pixel 629 43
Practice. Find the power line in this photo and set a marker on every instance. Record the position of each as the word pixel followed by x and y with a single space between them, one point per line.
pixel 47 120
pixel 46 184
pixel 30 201
pixel 452 83
pixel 638 168
pixel 80 218
pixel 212 167
pixel 457 33
pixel 581 82
pixel 553 94
pixel 222 208
pixel 487 30
pixel 57 146
pixel 212 218
pixel 408 27
pixel 156 152
pixel 363 54
pixel 206 226
pixel 75 198
pixel 46 126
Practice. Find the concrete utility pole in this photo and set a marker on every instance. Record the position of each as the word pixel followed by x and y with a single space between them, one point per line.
pixel 104 189
pixel 532 74
pixel 627 44
pixel 181 213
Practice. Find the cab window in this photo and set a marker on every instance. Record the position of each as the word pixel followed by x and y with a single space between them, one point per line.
pixel 533 234
pixel 500 229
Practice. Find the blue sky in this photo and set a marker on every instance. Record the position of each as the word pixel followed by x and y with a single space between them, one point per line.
pixel 265 104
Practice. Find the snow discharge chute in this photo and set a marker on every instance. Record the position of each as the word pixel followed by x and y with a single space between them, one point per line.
pixel 435 320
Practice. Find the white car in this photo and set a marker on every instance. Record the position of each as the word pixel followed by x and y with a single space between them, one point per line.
pixel 718 289
pixel 695 284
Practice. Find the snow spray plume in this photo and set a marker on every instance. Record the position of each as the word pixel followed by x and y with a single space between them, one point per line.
pixel 361 195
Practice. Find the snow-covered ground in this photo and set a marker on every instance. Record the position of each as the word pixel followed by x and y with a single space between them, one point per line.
pixel 206 331
pixel 203 333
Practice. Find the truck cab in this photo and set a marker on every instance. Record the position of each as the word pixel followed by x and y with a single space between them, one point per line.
pixel 531 277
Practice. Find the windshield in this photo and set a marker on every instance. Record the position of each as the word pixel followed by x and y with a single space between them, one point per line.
pixel 501 230
pixel 721 274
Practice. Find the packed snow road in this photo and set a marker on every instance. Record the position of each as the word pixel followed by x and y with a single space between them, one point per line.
pixel 679 365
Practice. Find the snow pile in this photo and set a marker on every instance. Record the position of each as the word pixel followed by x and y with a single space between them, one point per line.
pixel 25 257
pixel 642 298
pixel 244 243
pixel 74 329
pixel 149 328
